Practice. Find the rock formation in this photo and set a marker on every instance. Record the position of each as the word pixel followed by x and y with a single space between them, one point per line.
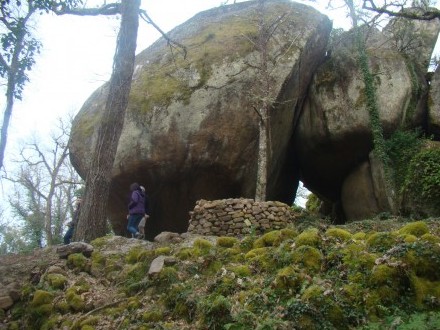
pixel 434 105
pixel 190 130
pixel 333 136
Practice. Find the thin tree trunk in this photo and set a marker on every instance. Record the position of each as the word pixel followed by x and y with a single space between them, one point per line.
pixel 264 93
pixel 260 193
pixel 6 118
pixel 93 217
pixel 13 72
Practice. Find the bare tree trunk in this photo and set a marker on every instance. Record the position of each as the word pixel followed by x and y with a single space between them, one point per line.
pixel 261 185
pixel 16 75
pixel 6 119
pixel 93 218
pixel 264 95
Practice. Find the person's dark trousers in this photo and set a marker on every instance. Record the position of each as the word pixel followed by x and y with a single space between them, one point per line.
pixel 133 223
pixel 68 235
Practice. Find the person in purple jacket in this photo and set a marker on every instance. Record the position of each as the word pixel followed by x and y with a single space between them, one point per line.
pixel 136 209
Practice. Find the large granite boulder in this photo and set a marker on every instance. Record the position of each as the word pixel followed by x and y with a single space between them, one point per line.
pixel 333 136
pixel 190 129
pixel 414 38
pixel 434 105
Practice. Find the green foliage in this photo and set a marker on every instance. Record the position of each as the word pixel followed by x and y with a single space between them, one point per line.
pixel 339 234
pixel 133 255
pixel 56 281
pixel 308 257
pixel 74 298
pixel 401 148
pixel 152 316
pixel 78 262
pixel 418 229
pixel 381 242
pixel 241 270
pixel 180 300
pixel 275 237
pixel 411 321
pixel 203 244
pixel 289 279
pixel 313 203
pixel 309 237
pixel 227 242
pixel 337 280
pixel 41 297
pixel 423 179
pixel 215 311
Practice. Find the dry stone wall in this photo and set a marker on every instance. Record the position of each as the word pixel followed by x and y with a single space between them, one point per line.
pixel 236 217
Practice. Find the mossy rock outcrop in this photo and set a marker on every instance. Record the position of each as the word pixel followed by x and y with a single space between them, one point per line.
pixel 335 127
pixel 190 130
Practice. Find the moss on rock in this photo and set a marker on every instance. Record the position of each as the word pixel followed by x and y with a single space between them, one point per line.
pixel 41 297
pixel 418 229
pixel 381 241
pixel 309 237
pixel 162 251
pixel 152 316
pixel 339 234
pixel 426 292
pixel 308 257
pixel 227 242
pixel 74 298
pixel 78 262
pixel 203 244
pixel 56 281
pixel 132 256
pixel 240 270
pixel 359 236
pixel 288 278
pixel 275 237
pixel 430 238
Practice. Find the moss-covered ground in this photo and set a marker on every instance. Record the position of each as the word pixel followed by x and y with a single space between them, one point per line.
pixel 374 274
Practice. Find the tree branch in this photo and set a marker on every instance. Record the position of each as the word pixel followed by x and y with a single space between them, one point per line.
pixel 422 13
pixel 107 9
pixel 143 14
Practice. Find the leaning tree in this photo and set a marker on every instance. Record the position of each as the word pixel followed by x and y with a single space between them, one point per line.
pixel 93 218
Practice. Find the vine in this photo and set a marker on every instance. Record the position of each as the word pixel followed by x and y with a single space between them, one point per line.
pixel 415 90
pixel 401 147
pixel 379 146
pixel 423 179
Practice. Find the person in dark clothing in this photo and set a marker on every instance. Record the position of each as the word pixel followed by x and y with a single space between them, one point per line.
pixel 71 225
pixel 144 219
pixel 136 209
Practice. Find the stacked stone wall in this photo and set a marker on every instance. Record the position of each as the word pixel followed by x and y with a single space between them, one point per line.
pixel 236 217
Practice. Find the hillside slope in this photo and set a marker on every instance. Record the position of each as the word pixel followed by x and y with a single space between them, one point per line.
pixel 377 274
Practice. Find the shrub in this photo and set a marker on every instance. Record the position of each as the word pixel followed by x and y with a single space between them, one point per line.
pixel 313 203
pixel 215 311
pixel 401 148
pixel 423 181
